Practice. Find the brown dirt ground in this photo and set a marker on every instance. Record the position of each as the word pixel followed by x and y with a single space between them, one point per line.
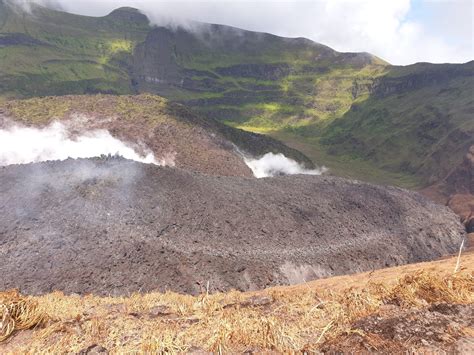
pixel 406 312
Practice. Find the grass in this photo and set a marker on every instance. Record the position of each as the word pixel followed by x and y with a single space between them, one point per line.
pixel 424 133
pixel 282 319
pixel 73 54
pixel 409 139
pixel 41 111
pixel 411 135
pixel 347 166
pixel 17 313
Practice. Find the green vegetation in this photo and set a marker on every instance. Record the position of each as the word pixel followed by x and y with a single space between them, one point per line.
pixel 50 52
pixel 423 132
pixel 352 112
pixel 150 108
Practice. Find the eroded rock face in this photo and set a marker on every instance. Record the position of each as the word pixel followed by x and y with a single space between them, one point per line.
pixel 114 226
pixel 463 206
pixel 426 75
pixel 457 190
pixel 461 180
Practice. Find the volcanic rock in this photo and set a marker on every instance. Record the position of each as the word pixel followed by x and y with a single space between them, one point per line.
pixel 113 226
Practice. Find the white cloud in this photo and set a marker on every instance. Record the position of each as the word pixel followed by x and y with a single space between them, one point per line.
pixel 437 32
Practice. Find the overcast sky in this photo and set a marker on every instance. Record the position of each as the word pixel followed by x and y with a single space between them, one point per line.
pixel 399 31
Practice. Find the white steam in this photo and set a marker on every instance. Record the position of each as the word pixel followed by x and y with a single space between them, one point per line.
pixel 22 145
pixel 277 164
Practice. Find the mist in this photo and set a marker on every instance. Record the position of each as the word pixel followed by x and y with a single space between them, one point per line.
pixel 399 31
pixel 23 145
pixel 278 164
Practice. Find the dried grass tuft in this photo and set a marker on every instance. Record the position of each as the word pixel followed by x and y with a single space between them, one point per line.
pixel 17 313
pixel 423 288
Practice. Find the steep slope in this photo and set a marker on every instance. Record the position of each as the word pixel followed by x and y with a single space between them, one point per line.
pixel 418 308
pixel 48 52
pixel 353 112
pixel 410 125
pixel 457 190
pixel 234 74
pixel 114 226
pixel 204 65
pixel 418 120
pixel 168 129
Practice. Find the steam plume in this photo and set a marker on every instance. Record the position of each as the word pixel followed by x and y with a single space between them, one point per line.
pixel 22 145
pixel 278 164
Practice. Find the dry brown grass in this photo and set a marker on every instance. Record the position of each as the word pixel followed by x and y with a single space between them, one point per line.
pixel 18 313
pixel 284 319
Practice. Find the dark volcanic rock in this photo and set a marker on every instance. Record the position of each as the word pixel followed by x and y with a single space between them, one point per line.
pixel 112 226
pixel 94 350
pixel 258 71
pixel 16 39
pixel 128 15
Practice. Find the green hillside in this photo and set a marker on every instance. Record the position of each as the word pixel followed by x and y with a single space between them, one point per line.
pixel 350 111
pixel 423 130
pixel 47 52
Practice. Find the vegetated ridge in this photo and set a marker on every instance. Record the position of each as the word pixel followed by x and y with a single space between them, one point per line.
pixel 168 129
pixel 358 115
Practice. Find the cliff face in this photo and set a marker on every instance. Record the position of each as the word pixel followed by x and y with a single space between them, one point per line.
pixel 417 120
pixel 459 186
pixel 239 67
pixel 154 62
pixel 418 76
pixel 413 120
pixel 456 190
pixel 129 16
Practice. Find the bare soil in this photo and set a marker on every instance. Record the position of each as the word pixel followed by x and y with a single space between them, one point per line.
pixel 439 327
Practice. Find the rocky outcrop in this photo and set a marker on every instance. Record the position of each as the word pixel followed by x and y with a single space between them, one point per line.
pixel 114 226
pixel 463 206
pixel 419 75
pixel 457 190
pixel 461 180
pixel 257 71
pixel 162 63
pixel 18 39
pixel 129 16
pixel 154 62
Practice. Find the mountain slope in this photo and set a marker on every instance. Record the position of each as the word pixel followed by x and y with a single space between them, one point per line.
pixel 418 119
pixel 358 115
pixel 418 308
pixel 169 130
pixel 47 52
